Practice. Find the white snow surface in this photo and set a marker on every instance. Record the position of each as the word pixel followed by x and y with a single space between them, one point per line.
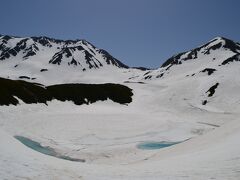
pixel 106 134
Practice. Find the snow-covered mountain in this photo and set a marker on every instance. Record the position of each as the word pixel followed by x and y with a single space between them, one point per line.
pixel 207 74
pixel 28 58
pixel 207 58
pixel 69 52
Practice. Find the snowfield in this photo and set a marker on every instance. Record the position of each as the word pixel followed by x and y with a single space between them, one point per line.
pixel 106 134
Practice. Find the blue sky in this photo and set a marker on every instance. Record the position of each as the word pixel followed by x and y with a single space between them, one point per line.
pixel 137 32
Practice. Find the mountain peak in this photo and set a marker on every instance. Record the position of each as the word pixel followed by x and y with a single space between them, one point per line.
pixel 218 43
pixel 57 52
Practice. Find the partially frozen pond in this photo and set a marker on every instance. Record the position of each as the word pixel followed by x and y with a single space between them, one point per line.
pixel 155 145
pixel 45 150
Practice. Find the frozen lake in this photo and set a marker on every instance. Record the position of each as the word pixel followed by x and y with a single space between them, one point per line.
pixel 155 145
pixel 44 150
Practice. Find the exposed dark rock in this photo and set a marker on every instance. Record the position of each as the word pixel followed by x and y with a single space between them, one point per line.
pixel 57 58
pixel 208 70
pixel 214 47
pixel 7 52
pixel 42 70
pixel 24 77
pixel 160 75
pixel 89 59
pixel 6 37
pixel 44 41
pixel 27 92
pixel 141 68
pixel 169 67
pixel 204 102
pixel 92 52
pixel 74 62
pixel 22 44
pixel 146 73
pixel 148 77
pixel 212 90
pixel 92 92
pixel 78 93
pixel 229 44
pixel 235 57
pixel 139 82
pixel 133 77
pixel 80 48
pixel 173 60
pixel 111 60
pixel 68 52
pixel 12 52
pixel 29 53
pixel 86 43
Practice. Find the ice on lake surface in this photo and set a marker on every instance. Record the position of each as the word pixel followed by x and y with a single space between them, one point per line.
pixel 155 145
pixel 44 150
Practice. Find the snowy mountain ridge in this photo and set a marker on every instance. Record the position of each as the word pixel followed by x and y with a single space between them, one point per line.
pixel 217 52
pixel 71 52
pixel 44 60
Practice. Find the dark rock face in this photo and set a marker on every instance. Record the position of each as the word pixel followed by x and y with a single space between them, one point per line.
pixel 68 52
pixel 24 77
pixel 27 92
pixel 209 71
pixel 90 60
pixel 229 44
pixel 160 75
pixel 173 60
pixel 212 90
pixel 90 93
pixel 111 60
pixel 148 77
pixel 31 51
pixel 74 62
pixel 204 102
pixel 43 70
pixel 57 58
pixel 78 93
pixel 231 59
pixel 214 47
pixel 141 68
pixel 7 52
pixel 44 41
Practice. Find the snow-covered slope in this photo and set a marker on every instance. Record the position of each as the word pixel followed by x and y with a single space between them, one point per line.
pixel 207 75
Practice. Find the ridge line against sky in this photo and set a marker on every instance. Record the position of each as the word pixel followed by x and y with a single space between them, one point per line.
pixel 137 32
